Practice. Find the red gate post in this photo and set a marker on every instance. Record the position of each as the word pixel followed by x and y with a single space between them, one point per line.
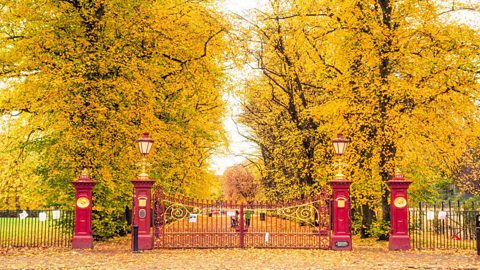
pixel 399 237
pixel 141 211
pixel 82 237
pixel 142 187
pixel 341 238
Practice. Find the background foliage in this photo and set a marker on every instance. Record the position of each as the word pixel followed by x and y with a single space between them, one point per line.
pixel 83 79
pixel 398 78
pixel 239 184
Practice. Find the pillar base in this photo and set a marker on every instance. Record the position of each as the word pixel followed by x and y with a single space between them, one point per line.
pixel 82 242
pixel 341 242
pixel 399 242
pixel 145 242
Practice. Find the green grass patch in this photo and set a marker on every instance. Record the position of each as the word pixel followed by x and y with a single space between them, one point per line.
pixel 31 232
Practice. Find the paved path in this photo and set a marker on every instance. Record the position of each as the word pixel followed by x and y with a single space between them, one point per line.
pixel 116 255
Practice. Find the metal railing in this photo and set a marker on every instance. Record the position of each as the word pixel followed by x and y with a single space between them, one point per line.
pixel 444 225
pixel 36 228
pixel 182 222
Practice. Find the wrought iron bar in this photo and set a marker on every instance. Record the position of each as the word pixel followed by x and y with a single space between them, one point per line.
pixel 445 225
pixel 298 224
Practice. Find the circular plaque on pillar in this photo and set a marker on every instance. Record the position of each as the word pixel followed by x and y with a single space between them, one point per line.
pixel 142 213
pixel 400 202
pixel 83 202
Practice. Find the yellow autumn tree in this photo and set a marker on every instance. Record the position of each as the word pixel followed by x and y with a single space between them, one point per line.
pixel 398 78
pixel 240 183
pixel 466 171
pixel 277 105
pixel 87 77
pixel 20 184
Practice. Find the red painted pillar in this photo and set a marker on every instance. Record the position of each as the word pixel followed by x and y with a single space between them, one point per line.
pixel 399 237
pixel 82 237
pixel 341 238
pixel 141 212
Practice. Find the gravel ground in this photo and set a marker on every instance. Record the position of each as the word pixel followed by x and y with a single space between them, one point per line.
pixel 117 255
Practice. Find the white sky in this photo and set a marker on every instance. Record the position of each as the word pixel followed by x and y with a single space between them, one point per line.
pixel 241 5
pixel 240 147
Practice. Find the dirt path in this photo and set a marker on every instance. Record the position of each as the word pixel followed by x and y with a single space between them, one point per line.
pixel 117 255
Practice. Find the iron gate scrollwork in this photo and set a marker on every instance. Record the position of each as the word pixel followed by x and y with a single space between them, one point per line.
pixel 182 222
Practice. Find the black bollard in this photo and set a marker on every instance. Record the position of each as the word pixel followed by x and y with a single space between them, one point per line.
pixel 477 229
pixel 135 238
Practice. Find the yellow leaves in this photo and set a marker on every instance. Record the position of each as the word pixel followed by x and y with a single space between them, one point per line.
pixel 404 91
pixel 97 80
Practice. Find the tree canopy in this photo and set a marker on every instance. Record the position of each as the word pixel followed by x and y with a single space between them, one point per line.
pixel 240 184
pixel 82 79
pixel 86 77
pixel 397 78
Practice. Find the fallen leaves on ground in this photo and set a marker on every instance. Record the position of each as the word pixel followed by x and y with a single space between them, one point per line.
pixel 116 254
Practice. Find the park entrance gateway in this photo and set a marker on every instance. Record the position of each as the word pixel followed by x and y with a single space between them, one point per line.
pixel 181 222
pixel 321 222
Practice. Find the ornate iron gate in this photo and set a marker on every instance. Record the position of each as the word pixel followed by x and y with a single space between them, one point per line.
pixel 181 222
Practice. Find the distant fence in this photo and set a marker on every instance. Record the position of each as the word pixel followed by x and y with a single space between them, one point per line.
pixel 36 228
pixel 445 225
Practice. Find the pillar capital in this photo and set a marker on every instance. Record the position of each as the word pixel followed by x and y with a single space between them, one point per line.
pixel 398 181
pixel 84 180
pixel 142 183
pixel 345 183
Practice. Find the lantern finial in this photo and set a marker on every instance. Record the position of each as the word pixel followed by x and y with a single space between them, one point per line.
pixel 340 144
pixel 85 173
pixel 144 145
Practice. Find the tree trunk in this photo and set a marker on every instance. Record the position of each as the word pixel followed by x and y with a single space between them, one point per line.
pixel 385 213
pixel 367 218
pixel 387 157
